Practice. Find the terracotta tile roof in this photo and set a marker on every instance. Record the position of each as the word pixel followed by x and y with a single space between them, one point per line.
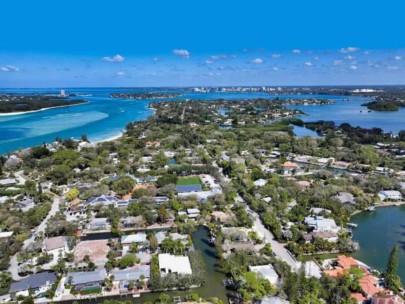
pixel 336 272
pixel 290 165
pixel 358 296
pixel 387 300
pixel 368 284
pixel 346 262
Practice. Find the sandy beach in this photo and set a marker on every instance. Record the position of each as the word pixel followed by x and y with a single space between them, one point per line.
pixel 40 110
pixel 109 138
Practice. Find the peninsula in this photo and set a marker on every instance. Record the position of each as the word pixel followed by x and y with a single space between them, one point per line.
pixel 10 103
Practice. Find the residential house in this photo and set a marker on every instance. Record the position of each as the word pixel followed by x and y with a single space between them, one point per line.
pixel 5 235
pixel 132 221
pixel 124 277
pixel 138 238
pixel 57 246
pixel 36 283
pixel 193 213
pixel 7 182
pixel 389 299
pixel 267 271
pixel 81 280
pixel 162 235
pixel 260 182
pixel 98 224
pixel 345 198
pixel 319 223
pixel 103 200
pixel 289 168
pixel 390 195
pixel 341 165
pixel 174 264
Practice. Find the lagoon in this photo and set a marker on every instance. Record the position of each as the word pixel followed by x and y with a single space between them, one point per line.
pixel 377 232
pixel 103 117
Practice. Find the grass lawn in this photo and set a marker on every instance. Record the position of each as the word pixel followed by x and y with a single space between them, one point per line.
pixel 194 180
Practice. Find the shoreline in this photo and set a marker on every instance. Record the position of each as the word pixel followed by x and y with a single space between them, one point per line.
pixel 40 110
pixel 381 205
pixel 114 137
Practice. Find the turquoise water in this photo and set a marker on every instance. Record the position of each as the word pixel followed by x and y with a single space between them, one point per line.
pixel 104 117
pixel 377 233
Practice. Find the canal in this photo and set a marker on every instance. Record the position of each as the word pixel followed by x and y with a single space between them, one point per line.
pixel 377 232
pixel 213 286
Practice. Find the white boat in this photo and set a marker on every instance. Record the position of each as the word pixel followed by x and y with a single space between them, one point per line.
pixel 371 209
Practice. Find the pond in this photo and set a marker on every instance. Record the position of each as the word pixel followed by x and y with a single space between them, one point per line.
pixel 377 232
pixel 213 286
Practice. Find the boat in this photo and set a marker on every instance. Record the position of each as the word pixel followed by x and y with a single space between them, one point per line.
pixel 352 225
pixel 371 209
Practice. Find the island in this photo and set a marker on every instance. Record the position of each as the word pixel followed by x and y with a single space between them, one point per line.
pixel 148 95
pixel 11 103
pixel 384 106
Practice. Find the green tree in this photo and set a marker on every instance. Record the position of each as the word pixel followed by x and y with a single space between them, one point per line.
pixel 123 185
pixel 392 265
pixel 72 194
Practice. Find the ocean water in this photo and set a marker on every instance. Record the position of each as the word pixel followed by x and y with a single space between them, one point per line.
pixel 104 117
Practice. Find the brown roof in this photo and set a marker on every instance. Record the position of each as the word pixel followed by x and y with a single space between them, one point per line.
pixel 55 243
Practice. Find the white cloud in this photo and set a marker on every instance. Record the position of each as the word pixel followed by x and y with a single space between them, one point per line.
pixel 182 53
pixel 308 63
pixel 209 61
pixel 397 57
pixel 337 62
pixel 393 68
pixel 276 55
pixel 349 49
pixel 10 68
pixel 120 74
pixel 155 59
pixel 296 51
pixel 275 69
pixel 349 57
pixel 257 60
pixel 353 67
pixel 316 58
pixel 116 58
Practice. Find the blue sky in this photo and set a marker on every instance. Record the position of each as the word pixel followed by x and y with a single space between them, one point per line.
pixel 185 43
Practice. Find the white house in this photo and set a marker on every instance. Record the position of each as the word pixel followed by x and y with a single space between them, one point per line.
pixel 267 271
pixel 319 223
pixel 174 264
pixel 260 182
pixel 390 195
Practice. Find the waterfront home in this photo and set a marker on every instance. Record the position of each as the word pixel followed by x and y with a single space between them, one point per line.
pixel 122 278
pixel 345 198
pixel 102 200
pixel 229 247
pixel 369 286
pixel 138 238
pixel 174 264
pixel 162 235
pixel 81 280
pixel 319 223
pixel 57 246
pixel 35 283
pixel 272 300
pixel 389 299
pixel 289 168
pixel 316 210
pixel 390 195
pixel 329 236
pixel 98 224
pixel 267 271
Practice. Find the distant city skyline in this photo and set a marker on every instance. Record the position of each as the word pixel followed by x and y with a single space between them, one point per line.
pixel 214 44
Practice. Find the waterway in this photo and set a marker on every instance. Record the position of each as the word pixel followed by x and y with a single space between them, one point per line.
pixel 104 117
pixel 377 232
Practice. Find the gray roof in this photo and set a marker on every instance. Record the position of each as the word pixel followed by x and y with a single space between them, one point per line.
pixel 188 188
pixel 34 281
pixel 131 274
pixel 101 200
pixel 77 278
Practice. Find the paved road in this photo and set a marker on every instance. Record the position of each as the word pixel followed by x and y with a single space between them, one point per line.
pixel 279 250
pixel 13 268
